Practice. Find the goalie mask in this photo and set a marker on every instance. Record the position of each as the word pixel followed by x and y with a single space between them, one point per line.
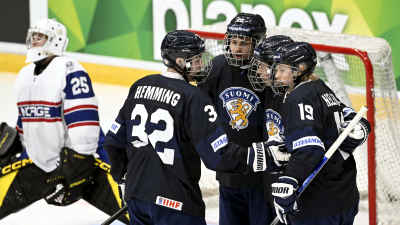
pixel 183 51
pixel 292 64
pixel 45 38
pixel 260 70
pixel 241 37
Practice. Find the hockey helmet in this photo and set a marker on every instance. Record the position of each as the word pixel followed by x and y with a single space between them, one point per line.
pixel 259 73
pixel 299 57
pixel 56 42
pixel 189 46
pixel 247 27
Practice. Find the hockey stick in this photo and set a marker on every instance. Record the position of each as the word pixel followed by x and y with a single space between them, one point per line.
pixel 116 215
pixel 328 154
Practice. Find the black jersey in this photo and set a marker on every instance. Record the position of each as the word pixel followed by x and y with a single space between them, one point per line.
pixel 163 129
pixel 312 117
pixel 273 122
pixel 273 130
pixel 241 112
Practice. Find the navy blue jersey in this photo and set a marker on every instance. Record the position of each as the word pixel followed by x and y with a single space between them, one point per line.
pixel 241 112
pixel 273 121
pixel 312 117
pixel 163 129
pixel 273 130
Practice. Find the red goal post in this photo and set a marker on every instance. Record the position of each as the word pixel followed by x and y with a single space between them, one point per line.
pixel 359 70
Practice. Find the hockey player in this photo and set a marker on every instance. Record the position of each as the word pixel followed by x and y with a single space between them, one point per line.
pixel 241 198
pixel 259 76
pixel 313 118
pixel 58 124
pixel 163 129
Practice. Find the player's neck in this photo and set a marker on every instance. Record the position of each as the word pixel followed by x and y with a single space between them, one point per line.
pixel 42 64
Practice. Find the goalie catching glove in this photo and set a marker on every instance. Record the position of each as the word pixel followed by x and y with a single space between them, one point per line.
pixel 71 177
pixel 270 156
pixel 358 135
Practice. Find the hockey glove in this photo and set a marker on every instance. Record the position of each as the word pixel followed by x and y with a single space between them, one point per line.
pixel 284 193
pixel 7 138
pixel 278 155
pixel 358 135
pixel 71 178
pixel 265 157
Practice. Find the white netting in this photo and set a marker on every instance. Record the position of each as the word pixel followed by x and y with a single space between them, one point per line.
pixel 346 74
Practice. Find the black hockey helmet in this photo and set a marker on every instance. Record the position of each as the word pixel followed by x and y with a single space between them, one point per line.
pixel 264 51
pixel 244 26
pixel 300 56
pixel 183 44
pixel 259 73
pixel 247 24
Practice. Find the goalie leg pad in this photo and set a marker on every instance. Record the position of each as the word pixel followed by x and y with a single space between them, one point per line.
pixel 10 148
pixel 22 188
pixel 104 195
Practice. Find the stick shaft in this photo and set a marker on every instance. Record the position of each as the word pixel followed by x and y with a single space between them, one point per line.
pixel 115 215
pixel 328 154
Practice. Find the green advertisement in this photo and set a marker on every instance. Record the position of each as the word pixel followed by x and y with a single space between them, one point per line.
pixel 134 29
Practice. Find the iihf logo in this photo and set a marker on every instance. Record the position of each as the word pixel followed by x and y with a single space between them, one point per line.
pixel 273 123
pixel 239 103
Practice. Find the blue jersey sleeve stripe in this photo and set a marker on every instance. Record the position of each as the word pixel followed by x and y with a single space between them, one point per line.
pixel 81 115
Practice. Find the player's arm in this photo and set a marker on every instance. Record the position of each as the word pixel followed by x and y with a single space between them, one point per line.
pixel 80 114
pixel 115 144
pixel 216 151
pixel 210 84
pixel 358 135
pixel 80 110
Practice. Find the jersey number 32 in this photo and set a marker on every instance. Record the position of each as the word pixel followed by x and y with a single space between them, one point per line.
pixel 139 131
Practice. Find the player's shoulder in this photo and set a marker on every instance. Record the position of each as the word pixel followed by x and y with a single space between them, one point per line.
pixel 218 64
pixel 27 69
pixel 308 91
pixel 219 59
pixel 167 83
pixel 67 62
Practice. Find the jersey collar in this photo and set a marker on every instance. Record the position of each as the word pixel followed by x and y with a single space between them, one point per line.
pixel 172 75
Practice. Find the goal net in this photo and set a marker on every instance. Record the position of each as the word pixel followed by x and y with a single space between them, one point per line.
pixel 359 70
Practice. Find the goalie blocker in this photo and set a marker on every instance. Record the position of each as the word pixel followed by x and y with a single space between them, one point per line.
pixel 25 183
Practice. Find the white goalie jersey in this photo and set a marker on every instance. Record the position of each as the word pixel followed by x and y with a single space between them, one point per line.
pixel 56 108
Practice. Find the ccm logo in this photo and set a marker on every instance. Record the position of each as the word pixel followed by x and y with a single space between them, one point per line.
pixel 15 166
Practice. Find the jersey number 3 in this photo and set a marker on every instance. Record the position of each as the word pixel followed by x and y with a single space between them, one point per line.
pixel 167 154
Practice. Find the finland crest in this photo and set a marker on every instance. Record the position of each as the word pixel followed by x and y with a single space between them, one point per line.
pixel 239 103
pixel 273 124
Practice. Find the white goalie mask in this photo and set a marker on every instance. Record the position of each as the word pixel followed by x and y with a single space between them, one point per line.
pixel 55 44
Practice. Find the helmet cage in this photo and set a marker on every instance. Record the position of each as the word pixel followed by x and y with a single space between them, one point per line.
pixel 260 74
pixel 238 59
pixel 197 67
pixel 280 87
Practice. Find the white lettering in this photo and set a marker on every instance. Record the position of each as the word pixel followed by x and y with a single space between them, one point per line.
pixel 160 8
pixel 264 11
pixel 293 16
pixel 338 22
